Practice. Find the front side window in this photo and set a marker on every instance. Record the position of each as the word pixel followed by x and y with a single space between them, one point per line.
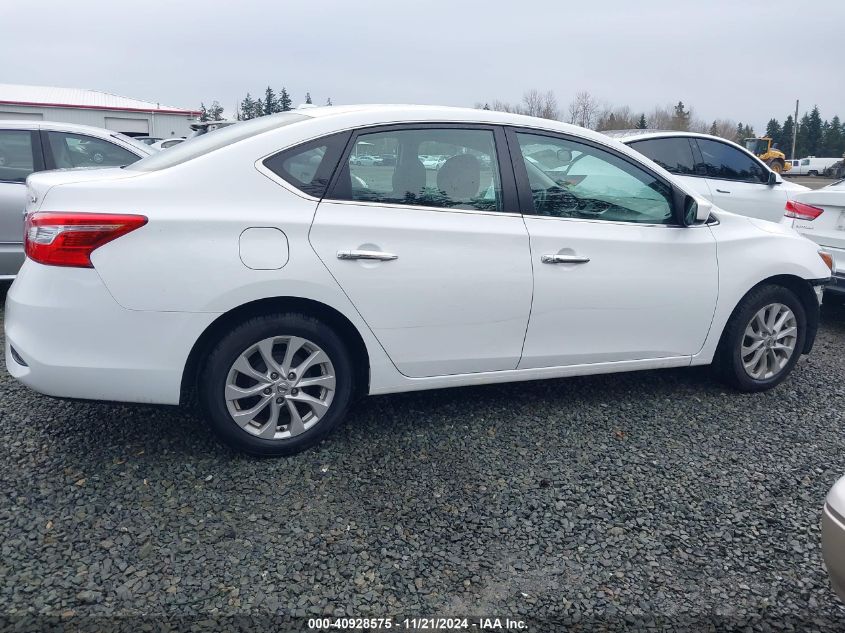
pixel 78 150
pixel 672 154
pixel 583 182
pixel 16 159
pixel 728 163
pixel 448 168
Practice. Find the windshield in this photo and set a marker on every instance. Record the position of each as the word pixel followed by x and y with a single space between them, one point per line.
pixel 756 145
pixel 215 140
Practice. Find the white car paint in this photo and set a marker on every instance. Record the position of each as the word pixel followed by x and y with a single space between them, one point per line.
pixel 828 229
pixel 468 287
pixel 752 199
pixel 812 166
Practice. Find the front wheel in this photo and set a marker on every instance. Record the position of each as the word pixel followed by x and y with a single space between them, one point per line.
pixel 762 340
pixel 777 166
pixel 276 384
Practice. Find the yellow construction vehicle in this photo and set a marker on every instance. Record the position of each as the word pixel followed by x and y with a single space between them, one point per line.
pixel 769 153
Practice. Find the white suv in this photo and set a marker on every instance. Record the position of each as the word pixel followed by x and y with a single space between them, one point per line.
pixel 723 172
pixel 265 269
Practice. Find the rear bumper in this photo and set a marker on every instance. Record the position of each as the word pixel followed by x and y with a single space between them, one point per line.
pixel 71 339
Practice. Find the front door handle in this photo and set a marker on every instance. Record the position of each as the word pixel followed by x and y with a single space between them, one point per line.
pixel 371 255
pixel 564 259
pixel 722 191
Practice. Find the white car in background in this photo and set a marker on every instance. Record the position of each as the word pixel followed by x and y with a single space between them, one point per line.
pixel 725 173
pixel 167 142
pixel 820 216
pixel 261 268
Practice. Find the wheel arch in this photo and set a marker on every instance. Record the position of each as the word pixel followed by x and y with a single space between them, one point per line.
pixel 802 289
pixel 226 321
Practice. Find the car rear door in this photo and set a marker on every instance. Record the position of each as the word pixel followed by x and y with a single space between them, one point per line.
pixel 739 182
pixel 436 260
pixel 614 279
pixel 20 155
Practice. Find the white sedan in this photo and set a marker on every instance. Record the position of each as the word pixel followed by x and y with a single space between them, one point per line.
pixel 820 216
pixel 279 293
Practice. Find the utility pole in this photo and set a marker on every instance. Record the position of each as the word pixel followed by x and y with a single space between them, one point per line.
pixel 794 130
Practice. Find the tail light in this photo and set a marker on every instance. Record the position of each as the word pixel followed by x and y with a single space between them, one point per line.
pixel 68 239
pixel 801 211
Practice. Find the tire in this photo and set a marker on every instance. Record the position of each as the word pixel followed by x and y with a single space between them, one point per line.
pixel 812 172
pixel 729 362
pixel 283 435
pixel 777 166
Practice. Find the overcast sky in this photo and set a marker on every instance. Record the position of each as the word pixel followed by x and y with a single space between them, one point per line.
pixel 746 60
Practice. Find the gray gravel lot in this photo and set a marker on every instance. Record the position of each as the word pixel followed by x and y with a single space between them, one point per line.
pixel 649 499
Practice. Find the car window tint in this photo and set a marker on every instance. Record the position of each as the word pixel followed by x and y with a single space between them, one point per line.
pixel 447 168
pixel 78 150
pixel 672 154
pixel 16 159
pixel 728 163
pixel 309 167
pixel 584 182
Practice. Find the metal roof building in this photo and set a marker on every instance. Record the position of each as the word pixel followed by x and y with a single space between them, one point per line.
pixel 134 117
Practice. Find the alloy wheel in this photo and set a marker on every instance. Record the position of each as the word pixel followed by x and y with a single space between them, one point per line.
pixel 280 387
pixel 769 341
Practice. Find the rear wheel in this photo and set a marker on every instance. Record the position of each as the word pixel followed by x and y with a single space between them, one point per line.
pixel 276 384
pixel 812 172
pixel 762 340
pixel 777 166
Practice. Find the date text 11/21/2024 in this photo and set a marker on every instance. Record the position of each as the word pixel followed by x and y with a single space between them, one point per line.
pixel 418 624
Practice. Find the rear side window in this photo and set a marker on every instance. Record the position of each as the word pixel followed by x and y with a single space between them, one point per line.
pixel 728 163
pixel 78 150
pixel 16 158
pixel 672 154
pixel 310 166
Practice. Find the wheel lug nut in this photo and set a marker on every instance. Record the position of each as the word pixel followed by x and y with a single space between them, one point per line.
pixel 267 391
pixel 294 391
pixel 279 400
pixel 291 376
pixel 274 376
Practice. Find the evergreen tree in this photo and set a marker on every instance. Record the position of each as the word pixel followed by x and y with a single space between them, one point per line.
pixel 215 112
pixel 308 97
pixel 642 124
pixel 773 131
pixel 714 131
pixel 247 108
pixel 814 132
pixel 203 112
pixel 329 101
pixel 270 104
pixel 284 101
pixel 739 132
pixel 486 106
pixel 834 140
pixel 681 117
pixel 258 109
pixel 802 146
pixel 786 135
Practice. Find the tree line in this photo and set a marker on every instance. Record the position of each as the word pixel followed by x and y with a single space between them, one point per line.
pixel 816 137
pixel 250 108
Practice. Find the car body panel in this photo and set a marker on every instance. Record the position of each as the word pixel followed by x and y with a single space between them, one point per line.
pixel 833 536
pixel 827 230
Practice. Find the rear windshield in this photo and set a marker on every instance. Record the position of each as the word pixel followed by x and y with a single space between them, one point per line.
pixel 211 141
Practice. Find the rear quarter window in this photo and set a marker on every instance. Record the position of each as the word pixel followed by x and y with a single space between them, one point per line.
pixel 309 167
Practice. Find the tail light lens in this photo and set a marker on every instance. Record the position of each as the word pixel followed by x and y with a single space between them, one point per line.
pixel 801 211
pixel 68 239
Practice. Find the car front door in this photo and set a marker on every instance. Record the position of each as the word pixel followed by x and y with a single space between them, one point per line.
pixel 20 155
pixel 435 259
pixel 614 278
pixel 739 182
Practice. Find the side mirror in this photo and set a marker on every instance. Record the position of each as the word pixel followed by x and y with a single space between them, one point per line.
pixel 689 210
pixel 774 179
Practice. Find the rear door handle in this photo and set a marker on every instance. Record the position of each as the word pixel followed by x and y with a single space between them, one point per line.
pixel 371 255
pixel 722 191
pixel 564 259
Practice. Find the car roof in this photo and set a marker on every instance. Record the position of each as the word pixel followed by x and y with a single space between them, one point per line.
pixel 88 130
pixel 640 135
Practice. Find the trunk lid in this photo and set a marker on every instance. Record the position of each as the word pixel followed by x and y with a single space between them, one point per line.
pixel 39 183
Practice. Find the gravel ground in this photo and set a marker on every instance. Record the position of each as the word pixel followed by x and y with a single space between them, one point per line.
pixel 653 499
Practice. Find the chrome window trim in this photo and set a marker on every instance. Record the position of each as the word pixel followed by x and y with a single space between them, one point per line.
pixel 417 207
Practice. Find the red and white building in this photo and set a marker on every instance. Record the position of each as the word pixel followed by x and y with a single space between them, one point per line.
pixel 91 107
